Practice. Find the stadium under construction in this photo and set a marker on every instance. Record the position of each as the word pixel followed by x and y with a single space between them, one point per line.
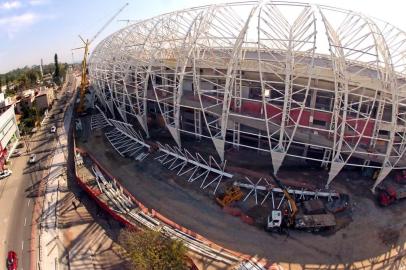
pixel 285 79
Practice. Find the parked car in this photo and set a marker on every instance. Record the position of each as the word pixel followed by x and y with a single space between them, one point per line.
pixel 33 159
pixel 53 129
pixel 12 260
pixel 5 173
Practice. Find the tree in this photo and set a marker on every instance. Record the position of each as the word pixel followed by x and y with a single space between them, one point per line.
pixel 150 250
pixel 57 72
pixel 23 82
pixel 32 76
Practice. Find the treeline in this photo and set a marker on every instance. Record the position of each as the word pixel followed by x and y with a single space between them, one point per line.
pixel 28 77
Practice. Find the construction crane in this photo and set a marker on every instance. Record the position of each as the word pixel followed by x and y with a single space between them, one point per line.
pixel 84 80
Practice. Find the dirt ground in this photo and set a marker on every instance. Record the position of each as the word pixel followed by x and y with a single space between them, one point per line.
pixel 373 238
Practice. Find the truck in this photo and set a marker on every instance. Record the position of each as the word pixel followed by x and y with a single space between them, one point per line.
pixel 314 219
pixel 307 222
pixel 315 222
pixel 390 194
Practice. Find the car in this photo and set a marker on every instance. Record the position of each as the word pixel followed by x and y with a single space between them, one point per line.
pixel 53 129
pixel 12 260
pixel 5 173
pixel 33 159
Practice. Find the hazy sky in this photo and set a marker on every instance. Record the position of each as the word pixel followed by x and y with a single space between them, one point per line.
pixel 35 29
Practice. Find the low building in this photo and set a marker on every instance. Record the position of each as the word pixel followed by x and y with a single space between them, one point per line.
pixel 26 99
pixel 9 134
pixel 41 98
pixel 5 103
pixel 45 98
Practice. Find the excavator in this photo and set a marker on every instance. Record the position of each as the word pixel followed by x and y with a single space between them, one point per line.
pixel 84 84
pixel 292 217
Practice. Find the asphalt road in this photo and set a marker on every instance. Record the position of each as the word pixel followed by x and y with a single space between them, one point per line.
pixel 19 191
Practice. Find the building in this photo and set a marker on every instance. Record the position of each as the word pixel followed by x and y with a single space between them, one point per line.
pixel 9 134
pixel 264 76
pixel 5 103
pixel 25 100
pixel 41 99
pixel 44 98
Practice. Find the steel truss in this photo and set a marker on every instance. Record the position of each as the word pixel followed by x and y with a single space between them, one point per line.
pixel 122 204
pixel 126 141
pixel 271 191
pixel 255 70
pixel 196 167
pixel 99 121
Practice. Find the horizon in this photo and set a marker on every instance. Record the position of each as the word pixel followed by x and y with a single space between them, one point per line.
pixel 51 26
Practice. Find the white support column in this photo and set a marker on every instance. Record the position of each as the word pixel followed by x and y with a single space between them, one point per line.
pixel 219 140
pixel 197 123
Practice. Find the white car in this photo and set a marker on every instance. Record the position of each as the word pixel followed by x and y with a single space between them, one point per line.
pixel 33 159
pixel 5 173
pixel 53 129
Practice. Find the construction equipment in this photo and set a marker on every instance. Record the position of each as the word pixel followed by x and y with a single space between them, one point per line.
pixel 291 213
pixel 232 194
pixel 316 222
pixel 84 80
pixel 390 194
pixel 292 217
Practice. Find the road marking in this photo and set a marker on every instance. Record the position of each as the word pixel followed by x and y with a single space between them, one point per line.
pixel 29 200
pixel 25 221
pixel 22 245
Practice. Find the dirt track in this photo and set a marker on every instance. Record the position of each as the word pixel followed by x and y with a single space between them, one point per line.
pixel 374 239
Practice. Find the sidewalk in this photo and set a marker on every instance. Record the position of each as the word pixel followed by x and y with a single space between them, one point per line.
pixel 50 245
pixel 74 233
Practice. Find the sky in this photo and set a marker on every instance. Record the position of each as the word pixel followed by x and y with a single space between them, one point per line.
pixel 31 30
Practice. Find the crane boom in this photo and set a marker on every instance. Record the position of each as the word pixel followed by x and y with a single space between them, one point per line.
pixel 108 22
pixel 291 201
pixel 84 80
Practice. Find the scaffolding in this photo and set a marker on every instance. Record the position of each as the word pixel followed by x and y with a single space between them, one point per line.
pixel 254 75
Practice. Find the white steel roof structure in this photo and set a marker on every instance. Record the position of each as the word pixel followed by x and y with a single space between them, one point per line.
pixel 294 76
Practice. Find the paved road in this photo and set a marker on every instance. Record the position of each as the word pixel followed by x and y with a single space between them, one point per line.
pixel 18 192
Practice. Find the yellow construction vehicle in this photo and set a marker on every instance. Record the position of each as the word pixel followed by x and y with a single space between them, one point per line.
pixel 232 194
pixel 84 80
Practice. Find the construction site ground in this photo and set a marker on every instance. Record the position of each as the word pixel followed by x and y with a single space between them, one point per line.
pixel 88 234
pixel 370 237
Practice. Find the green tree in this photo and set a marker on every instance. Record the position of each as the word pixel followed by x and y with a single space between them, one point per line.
pixel 32 76
pixel 57 74
pixel 23 82
pixel 150 250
